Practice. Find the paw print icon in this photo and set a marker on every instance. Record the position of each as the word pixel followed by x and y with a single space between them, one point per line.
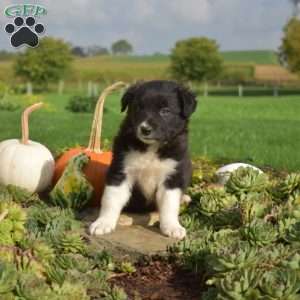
pixel 24 32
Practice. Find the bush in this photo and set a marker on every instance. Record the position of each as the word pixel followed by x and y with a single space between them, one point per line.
pixel 196 59
pixel 8 105
pixel 47 63
pixel 3 89
pixel 235 74
pixel 82 104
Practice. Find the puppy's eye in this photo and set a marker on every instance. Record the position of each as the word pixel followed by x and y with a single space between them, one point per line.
pixel 164 111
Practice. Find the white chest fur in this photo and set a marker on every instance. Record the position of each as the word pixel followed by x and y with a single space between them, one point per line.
pixel 148 170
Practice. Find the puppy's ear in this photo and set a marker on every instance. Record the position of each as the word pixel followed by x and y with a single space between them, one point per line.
pixel 187 101
pixel 128 96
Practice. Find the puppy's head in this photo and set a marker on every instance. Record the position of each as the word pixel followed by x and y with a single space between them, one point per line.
pixel 158 110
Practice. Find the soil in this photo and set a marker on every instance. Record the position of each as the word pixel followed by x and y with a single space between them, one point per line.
pixel 160 280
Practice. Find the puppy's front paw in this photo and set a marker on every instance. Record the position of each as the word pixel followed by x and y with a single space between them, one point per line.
pixel 102 226
pixel 174 230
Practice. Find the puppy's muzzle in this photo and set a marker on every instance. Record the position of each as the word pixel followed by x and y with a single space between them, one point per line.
pixel 146 133
pixel 145 129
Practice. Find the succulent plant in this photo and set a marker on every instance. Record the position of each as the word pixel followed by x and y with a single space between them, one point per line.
pixel 197 177
pixel 213 200
pixel 4 194
pixel 31 287
pixel 246 180
pixel 127 267
pixel 255 205
pixel 43 219
pixel 203 170
pixel 293 233
pixel 260 233
pixel 227 218
pixel 287 188
pixel 291 261
pixel 236 257
pixel 22 196
pixel 55 274
pixel 281 284
pixel 70 291
pixel 116 293
pixel 8 277
pixel 225 237
pixel 291 208
pixel 12 220
pixel 237 285
pixel 68 243
pixel 284 226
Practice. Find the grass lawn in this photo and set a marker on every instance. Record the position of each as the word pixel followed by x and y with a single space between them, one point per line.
pixel 262 130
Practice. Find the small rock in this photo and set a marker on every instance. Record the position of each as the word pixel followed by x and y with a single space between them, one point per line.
pixel 223 173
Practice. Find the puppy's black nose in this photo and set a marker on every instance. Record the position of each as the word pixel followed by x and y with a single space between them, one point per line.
pixel 146 129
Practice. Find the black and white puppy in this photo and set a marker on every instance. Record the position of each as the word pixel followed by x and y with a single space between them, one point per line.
pixel 151 165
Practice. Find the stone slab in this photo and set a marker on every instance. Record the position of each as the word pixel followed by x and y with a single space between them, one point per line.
pixel 136 235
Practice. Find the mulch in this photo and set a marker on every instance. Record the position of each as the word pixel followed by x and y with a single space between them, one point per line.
pixel 160 280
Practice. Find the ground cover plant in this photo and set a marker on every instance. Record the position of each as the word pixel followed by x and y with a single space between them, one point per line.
pixel 243 243
pixel 44 254
pixel 243 238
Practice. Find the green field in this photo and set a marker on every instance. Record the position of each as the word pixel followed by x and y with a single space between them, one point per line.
pixel 259 57
pixel 132 68
pixel 264 130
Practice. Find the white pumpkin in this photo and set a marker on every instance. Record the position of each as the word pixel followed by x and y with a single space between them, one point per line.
pixel 26 163
pixel 224 172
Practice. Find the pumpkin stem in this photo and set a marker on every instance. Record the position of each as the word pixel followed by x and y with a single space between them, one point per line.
pixel 95 138
pixel 25 116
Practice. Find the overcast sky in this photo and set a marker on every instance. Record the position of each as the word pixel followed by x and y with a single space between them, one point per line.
pixel 155 25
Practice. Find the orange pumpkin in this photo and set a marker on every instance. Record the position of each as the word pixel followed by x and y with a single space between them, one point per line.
pixel 99 163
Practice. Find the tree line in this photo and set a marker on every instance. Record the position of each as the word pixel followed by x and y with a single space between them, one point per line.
pixel 120 47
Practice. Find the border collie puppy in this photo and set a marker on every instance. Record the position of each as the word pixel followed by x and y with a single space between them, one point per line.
pixel 151 167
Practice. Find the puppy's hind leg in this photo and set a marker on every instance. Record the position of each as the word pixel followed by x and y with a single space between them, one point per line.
pixel 113 200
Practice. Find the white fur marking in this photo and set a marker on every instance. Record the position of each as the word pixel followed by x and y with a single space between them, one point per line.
pixel 148 170
pixel 113 200
pixel 168 204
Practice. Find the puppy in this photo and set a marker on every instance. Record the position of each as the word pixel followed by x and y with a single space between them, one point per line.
pixel 151 167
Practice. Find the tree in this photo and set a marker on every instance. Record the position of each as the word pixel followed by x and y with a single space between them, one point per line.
pixel 46 63
pixel 121 47
pixel 97 50
pixel 5 55
pixel 296 7
pixel 289 51
pixel 78 51
pixel 196 59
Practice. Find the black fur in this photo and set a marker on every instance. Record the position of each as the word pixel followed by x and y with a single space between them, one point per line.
pixel 166 106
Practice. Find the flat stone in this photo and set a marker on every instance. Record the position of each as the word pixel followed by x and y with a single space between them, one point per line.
pixel 136 235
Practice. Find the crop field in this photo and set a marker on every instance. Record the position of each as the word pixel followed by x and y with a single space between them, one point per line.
pixel 273 72
pixel 263 131
pixel 258 57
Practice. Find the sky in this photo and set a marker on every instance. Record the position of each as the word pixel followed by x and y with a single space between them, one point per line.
pixel 155 25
